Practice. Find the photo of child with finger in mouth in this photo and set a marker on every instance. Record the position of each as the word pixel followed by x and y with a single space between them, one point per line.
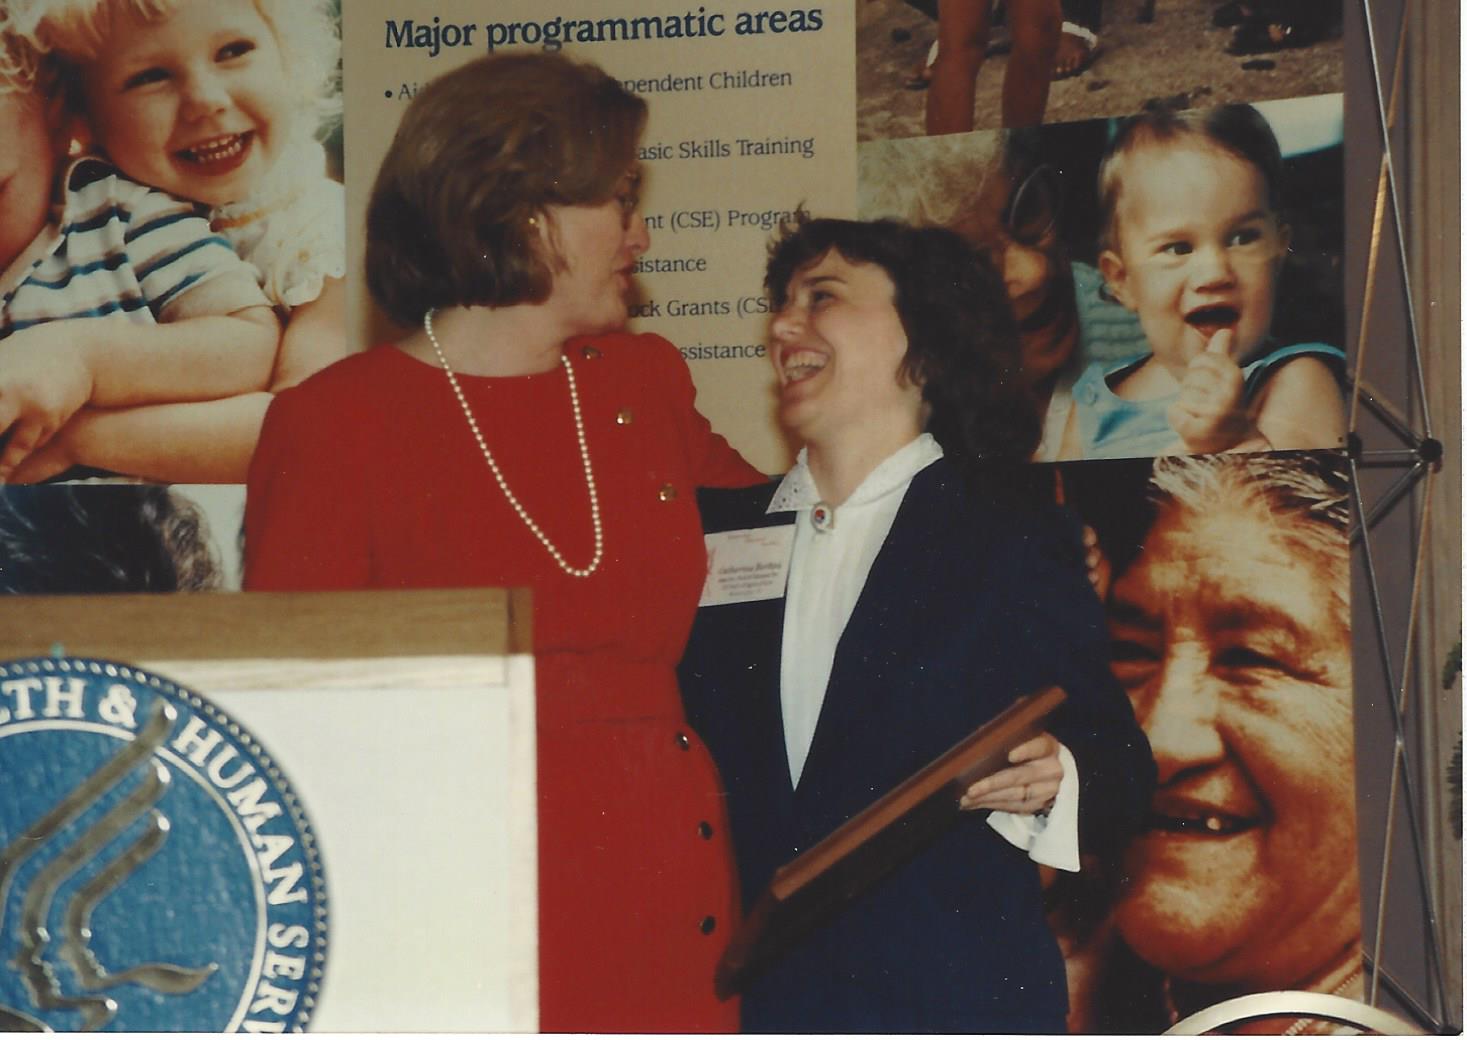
pixel 1192 240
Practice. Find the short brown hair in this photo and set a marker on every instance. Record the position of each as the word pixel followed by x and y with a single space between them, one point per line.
pixel 482 150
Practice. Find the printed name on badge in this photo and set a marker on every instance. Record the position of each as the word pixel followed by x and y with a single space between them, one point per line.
pixel 747 566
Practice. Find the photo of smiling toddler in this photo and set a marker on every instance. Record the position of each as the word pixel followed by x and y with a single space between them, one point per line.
pixel 220 102
pixel 131 334
pixel 1193 242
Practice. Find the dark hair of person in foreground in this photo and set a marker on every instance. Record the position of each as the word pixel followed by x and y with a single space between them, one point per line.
pixel 102 538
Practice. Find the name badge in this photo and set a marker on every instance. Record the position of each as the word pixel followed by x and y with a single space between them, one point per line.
pixel 747 566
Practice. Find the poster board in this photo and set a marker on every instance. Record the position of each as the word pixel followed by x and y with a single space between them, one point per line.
pixel 725 163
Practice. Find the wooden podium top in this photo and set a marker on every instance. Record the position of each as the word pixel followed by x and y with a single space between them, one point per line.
pixel 234 632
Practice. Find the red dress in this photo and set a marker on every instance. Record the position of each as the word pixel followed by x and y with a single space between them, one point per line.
pixel 366 476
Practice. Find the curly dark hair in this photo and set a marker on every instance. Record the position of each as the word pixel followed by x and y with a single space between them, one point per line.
pixel 962 343
pixel 57 538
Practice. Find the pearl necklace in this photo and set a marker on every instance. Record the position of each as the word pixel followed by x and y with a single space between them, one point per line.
pixel 570 377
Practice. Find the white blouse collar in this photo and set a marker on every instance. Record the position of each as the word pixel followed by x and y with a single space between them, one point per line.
pixel 797 490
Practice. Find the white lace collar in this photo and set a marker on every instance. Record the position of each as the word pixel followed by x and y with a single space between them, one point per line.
pixel 797 490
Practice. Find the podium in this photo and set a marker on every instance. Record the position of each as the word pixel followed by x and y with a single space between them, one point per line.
pixel 404 722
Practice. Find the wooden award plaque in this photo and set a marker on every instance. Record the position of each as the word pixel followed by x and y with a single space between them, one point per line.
pixel 818 884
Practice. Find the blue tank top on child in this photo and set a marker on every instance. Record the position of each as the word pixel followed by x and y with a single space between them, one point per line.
pixel 1111 427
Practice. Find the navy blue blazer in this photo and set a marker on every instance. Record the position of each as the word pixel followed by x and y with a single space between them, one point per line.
pixel 968 605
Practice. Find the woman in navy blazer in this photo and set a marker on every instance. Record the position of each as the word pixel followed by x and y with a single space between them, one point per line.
pixel 925 594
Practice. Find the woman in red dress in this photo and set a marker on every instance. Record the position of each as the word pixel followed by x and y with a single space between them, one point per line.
pixel 521 437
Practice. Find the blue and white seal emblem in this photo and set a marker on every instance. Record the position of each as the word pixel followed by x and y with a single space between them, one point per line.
pixel 157 872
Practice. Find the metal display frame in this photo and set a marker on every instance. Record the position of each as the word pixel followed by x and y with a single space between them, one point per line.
pixel 1417 457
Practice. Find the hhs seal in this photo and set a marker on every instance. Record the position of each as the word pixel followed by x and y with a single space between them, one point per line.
pixel 156 870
